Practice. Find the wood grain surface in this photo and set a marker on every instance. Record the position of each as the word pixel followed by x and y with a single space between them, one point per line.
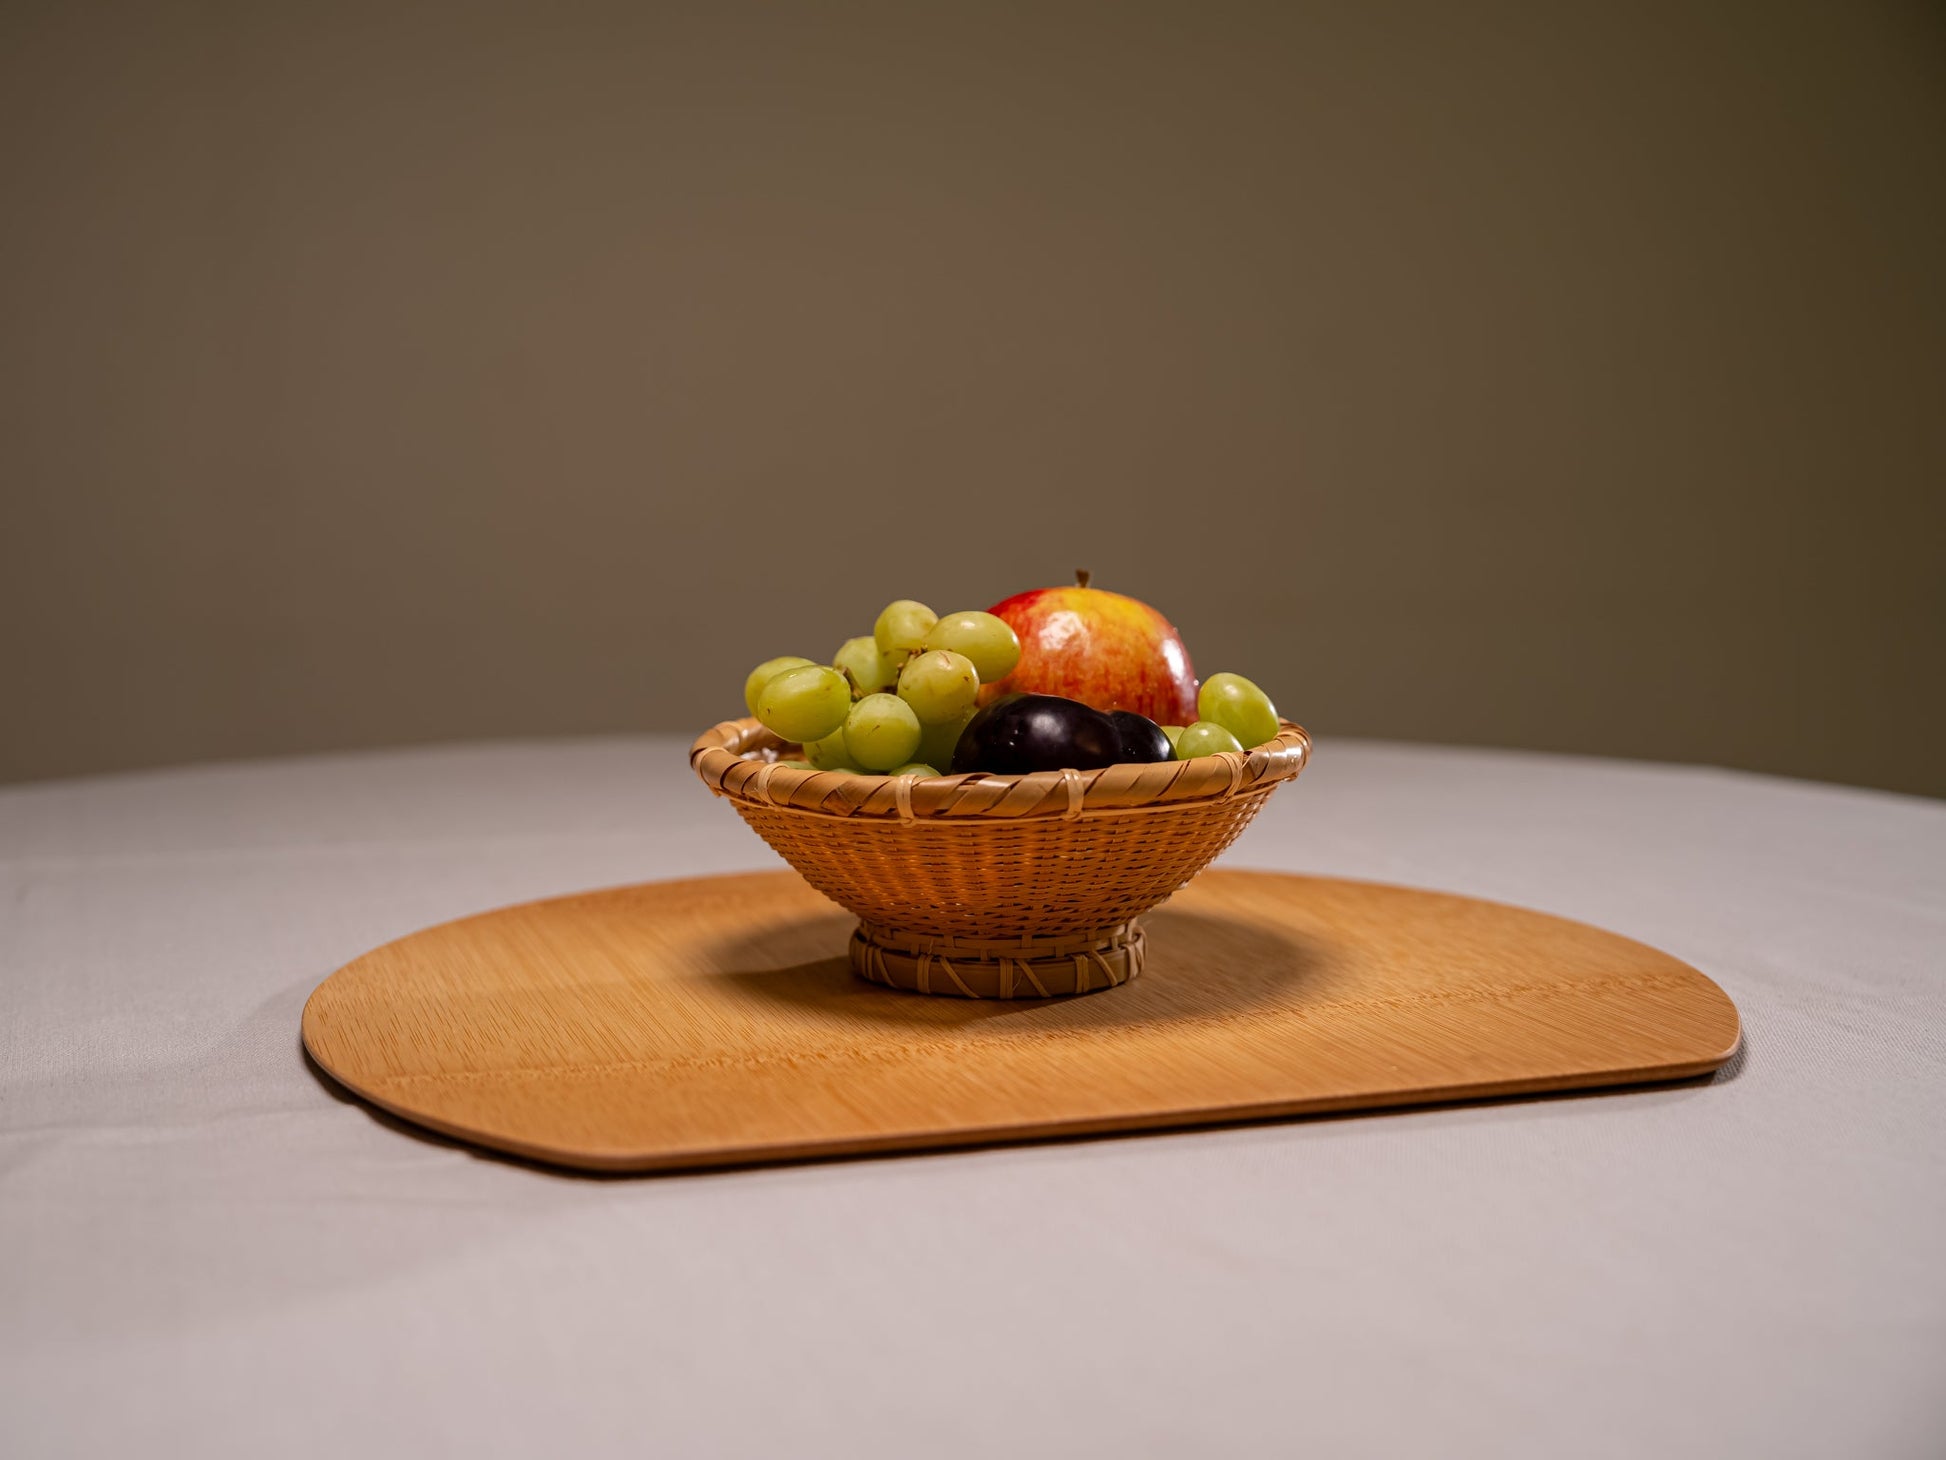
pixel 714 1021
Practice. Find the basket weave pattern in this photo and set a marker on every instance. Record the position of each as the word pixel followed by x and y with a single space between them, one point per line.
pixel 997 886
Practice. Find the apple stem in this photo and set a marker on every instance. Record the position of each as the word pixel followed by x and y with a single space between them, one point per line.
pixel 1081 577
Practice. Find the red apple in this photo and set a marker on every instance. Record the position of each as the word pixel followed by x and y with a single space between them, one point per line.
pixel 1106 650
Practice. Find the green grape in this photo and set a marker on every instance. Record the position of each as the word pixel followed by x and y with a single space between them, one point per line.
pixel 1205 738
pixel 1238 706
pixel 754 684
pixel 914 768
pixel 990 642
pixel 798 765
pixel 881 731
pixel 829 754
pixel 805 703
pixel 940 685
pixel 868 670
pixel 1174 732
pixel 903 626
pixel 937 742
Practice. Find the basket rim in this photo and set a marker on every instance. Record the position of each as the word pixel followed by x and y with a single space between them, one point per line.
pixel 738 759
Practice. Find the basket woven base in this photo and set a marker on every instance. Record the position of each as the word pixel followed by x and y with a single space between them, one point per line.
pixel 1018 968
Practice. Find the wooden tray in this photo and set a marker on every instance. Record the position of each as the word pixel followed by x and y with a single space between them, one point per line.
pixel 714 1021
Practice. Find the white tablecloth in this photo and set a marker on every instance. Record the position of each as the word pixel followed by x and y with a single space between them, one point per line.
pixel 204 1251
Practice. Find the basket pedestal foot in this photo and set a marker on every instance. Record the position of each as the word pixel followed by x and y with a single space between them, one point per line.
pixel 1010 968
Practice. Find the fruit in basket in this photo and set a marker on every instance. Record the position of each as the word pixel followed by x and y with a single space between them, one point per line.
pixel 804 703
pixel 1109 651
pixel 1020 734
pixel 881 732
pixel 1084 676
pixel 755 681
pixel 1141 739
pixel 913 768
pixel 940 685
pixel 987 640
pixel 869 670
pixel 1205 737
pixel 1238 706
pixel 902 626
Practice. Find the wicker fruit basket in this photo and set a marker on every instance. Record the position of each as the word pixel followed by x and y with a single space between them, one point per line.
pixel 986 886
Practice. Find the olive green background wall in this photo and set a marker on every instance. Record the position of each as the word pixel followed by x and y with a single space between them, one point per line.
pixel 1552 376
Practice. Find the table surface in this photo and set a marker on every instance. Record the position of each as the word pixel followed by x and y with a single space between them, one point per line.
pixel 206 1251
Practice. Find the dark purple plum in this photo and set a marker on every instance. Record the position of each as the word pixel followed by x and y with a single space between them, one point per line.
pixel 1019 734
pixel 1141 738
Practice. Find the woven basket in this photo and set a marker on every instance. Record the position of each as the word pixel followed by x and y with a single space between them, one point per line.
pixel 996 886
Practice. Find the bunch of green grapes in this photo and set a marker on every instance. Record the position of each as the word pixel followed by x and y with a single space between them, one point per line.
pixel 890 702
